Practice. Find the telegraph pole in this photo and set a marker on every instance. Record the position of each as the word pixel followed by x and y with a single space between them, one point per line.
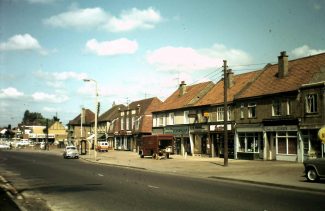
pixel 225 116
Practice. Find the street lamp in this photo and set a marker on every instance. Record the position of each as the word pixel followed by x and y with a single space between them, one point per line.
pixel 96 113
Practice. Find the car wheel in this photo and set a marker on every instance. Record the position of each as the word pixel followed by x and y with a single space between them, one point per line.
pixel 312 175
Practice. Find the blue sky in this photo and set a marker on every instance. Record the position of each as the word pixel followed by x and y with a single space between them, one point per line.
pixel 139 48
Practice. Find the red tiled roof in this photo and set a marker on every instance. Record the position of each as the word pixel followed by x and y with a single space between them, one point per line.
pixel 176 100
pixel 111 113
pixel 146 105
pixel 216 94
pixel 301 71
pixel 89 117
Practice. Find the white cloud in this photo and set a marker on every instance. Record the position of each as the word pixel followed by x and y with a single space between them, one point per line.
pixel 188 59
pixel 134 19
pixel 111 48
pixel 22 42
pixel 181 59
pixel 60 76
pixel 10 92
pixel 50 98
pixel 79 18
pixel 305 50
pixel 96 17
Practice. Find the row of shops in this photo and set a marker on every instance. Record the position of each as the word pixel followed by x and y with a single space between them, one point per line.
pixel 278 142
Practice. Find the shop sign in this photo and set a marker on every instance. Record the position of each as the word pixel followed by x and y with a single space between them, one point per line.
pixel 321 134
pixel 200 128
pixel 180 130
pixel 219 127
pixel 280 128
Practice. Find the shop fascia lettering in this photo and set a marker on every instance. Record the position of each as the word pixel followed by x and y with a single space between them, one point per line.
pixel 181 130
pixel 280 128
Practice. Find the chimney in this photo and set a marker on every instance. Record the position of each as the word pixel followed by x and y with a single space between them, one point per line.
pixel 283 65
pixel 182 88
pixel 230 78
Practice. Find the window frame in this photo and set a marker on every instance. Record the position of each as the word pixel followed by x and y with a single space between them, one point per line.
pixel 276 107
pixel 251 107
pixel 311 103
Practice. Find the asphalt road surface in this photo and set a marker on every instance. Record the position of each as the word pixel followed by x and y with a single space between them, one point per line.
pixel 49 182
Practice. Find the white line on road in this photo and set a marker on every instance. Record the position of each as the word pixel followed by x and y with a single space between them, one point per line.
pixel 151 186
pixel 101 175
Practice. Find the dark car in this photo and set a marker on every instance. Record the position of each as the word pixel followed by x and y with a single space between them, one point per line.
pixel 315 169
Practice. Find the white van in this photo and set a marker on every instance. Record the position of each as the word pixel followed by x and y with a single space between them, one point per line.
pixel 102 146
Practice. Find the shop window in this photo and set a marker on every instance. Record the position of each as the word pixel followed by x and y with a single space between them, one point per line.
pixel 276 108
pixel 311 103
pixel 249 142
pixel 251 110
pixel 287 143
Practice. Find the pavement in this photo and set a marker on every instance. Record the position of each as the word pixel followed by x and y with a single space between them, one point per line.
pixel 273 173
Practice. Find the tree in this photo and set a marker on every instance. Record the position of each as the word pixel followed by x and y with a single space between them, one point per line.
pixel 33 118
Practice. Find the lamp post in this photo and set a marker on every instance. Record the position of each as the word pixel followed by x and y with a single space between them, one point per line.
pixel 96 113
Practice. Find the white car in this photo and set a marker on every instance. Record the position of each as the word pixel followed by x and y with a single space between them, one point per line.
pixel 4 146
pixel 22 143
pixel 71 152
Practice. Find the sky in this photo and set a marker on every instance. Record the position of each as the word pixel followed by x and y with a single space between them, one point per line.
pixel 137 49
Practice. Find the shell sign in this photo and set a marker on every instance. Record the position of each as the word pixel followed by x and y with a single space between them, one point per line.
pixel 321 134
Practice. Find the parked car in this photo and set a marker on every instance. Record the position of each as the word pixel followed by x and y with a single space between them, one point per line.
pixel 4 146
pixel 314 169
pixel 22 143
pixel 102 146
pixel 71 152
pixel 42 145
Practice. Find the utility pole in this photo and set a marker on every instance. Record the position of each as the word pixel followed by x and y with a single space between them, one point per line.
pixel 225 116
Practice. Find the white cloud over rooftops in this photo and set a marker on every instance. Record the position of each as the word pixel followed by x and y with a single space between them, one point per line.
pixel 187 59
pixel 22 42
pixel 96 17
pixel 111 48
pixel 133 19
pixel 60 76
pixel 50 98
pixel 304 51
pixel 10 92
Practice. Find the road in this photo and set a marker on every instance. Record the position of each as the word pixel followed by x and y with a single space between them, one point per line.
pixel 48 180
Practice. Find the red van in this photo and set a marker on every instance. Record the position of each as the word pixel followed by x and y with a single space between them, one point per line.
pixel 156 146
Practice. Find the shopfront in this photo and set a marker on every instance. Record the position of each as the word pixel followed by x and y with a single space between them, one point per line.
pixel 249 142
pixel 200 138
pixel 217 140
pixel 182 144
pixel 285 139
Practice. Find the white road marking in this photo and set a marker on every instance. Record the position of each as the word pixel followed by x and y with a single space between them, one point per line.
pixel 101 175
pixel 151 186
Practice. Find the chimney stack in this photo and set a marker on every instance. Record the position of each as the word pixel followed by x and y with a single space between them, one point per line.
pixel 230 78
pixel 283 65
pixel 182 88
